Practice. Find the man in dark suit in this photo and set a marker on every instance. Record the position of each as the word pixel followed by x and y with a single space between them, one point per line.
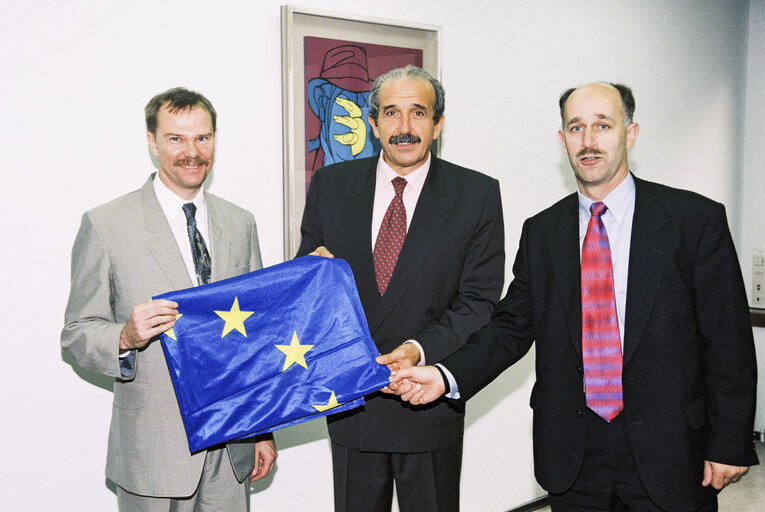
pixel 645 366
pixel 425 241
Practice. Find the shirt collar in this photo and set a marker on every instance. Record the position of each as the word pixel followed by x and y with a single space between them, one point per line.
pixel 415 179
pixel 618 201
pixel 172 204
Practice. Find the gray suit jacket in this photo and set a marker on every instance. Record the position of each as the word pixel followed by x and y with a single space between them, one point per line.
pixel 124 254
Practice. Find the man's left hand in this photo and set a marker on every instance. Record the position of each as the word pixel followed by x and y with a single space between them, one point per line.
pixel 403 356
pixel 720 475
pixel 265 457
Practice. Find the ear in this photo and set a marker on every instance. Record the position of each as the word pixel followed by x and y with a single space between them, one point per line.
pixel 373 124
pixel 632 132
pixel 438 127
pixel 152 143
pixel 563 141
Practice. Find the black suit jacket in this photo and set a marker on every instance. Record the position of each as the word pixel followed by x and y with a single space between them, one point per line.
pixel 689 372
pixel 446 283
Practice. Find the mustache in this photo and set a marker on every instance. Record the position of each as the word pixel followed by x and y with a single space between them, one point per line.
pixel 404 138
pixel 589 151
pixel 197 160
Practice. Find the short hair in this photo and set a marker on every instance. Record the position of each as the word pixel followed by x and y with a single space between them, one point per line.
pixel 176 99
pixel 628 101
pixel 412 73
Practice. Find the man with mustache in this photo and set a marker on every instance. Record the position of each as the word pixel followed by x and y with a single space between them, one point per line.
pixel 425 240
pixel 168 235
pixel 645 368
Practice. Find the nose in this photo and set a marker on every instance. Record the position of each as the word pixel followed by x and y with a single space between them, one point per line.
pixel 191 149
pixel 404 125
pixel 588 139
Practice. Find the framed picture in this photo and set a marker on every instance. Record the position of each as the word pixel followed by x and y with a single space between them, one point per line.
pixel 329 62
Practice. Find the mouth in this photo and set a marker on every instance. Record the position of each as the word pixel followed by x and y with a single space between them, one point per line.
pixel 191 164
pixel 404 139
pixel 589 157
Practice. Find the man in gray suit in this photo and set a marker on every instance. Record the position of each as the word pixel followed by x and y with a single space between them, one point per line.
pixel 168 235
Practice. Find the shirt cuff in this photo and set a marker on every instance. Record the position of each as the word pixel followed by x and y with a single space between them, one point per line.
pixel 422 352
pixel 454 390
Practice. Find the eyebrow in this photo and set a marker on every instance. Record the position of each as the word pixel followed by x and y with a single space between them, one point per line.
pixel 388 107
pixel 171 134
pixel 574 120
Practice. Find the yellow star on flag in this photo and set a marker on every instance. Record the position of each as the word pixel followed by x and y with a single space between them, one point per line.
pixel 234 319
pixel 332 403
pixel 170 332
pixel 295 352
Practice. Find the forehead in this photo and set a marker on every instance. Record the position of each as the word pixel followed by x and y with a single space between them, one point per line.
pixel 594 100
pixel 194 119
pixel 406 91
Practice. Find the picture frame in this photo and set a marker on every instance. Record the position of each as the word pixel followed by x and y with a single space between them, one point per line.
pixel 328 59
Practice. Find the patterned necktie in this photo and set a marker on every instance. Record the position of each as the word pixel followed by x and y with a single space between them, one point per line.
pixel 202 264
pixel 390 239
pixel 601 344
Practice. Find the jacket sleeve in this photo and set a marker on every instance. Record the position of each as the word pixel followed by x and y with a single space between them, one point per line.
pixel 480 284
pixel 91 333
pixel 504 340
pixel 728 358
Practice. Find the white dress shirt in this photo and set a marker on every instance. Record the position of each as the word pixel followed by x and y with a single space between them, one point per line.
pixel 384 194
pixel 618 222
pixel 172 206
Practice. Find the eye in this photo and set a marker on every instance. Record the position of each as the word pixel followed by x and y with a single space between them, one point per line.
pixel 391 113
pixel 576 129
pixel 203 138
pixel 604 126
pixel 175 139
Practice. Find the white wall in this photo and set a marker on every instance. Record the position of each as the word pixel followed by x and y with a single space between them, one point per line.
pixel 75 78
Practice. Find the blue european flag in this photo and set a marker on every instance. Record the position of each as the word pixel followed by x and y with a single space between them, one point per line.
pixel 269 349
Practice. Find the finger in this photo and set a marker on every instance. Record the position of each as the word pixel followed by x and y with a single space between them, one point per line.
pixel 407 396
pixel 400 375
pixel 419 398
pixel 385 359
pixel 707 474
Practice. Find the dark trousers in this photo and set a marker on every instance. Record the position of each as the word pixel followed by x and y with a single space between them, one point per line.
pixel 608 480
pixel 425 482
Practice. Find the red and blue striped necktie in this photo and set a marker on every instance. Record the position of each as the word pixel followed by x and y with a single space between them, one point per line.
pixel 601 343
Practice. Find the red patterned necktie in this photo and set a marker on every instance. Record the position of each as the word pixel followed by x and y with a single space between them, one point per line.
pixel 391 236
pixel 601 344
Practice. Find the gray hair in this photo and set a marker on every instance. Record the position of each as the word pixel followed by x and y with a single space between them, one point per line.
pixel 411 73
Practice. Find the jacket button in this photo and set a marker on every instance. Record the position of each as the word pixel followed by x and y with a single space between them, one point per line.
pixel 580 370
pixel 429 312
pixel 579 413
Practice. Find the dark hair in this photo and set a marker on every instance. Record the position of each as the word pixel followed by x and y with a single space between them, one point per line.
pixel 176 99
pixel 409 72
pixel 628 101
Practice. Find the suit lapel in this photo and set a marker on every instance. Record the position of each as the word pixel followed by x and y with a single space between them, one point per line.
pixel 358 233
pixel 649 249
pixel 220 245
pixel 563 252
pixel 160 240
pixel 429 218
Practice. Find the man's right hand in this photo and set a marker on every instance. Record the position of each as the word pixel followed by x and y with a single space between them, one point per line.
pixel 323 252
pixel 418 384
pixel 146 321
